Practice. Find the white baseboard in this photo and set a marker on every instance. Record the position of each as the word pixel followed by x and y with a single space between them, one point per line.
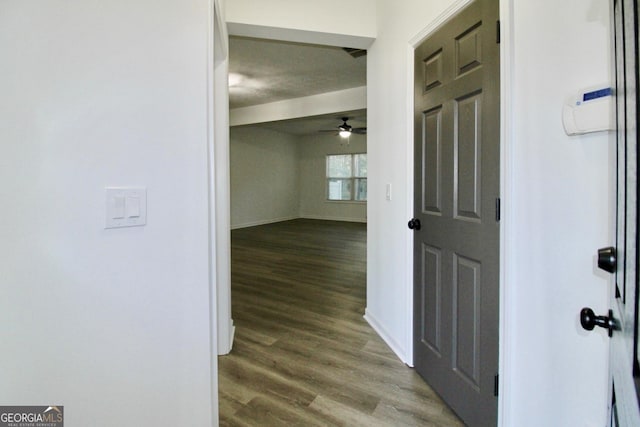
pixel 289 218
pixel 232 335
pixel 263 222
pixel 334 218
pixel 397 349
pixel 228 346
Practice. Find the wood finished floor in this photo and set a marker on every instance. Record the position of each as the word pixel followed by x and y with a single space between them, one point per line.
pixel 303 355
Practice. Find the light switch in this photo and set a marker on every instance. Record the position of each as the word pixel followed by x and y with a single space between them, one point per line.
pixel 118 206
pixel 133 206
pixel 125 207
pixel 388 191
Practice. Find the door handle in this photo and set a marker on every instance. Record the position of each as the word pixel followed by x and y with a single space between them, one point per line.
pixel 607 259
pixel 589 320
pixel 414 224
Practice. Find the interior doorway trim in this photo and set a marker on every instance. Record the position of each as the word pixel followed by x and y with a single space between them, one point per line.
pixel 215 50
pixel 220 196
pixel 506 233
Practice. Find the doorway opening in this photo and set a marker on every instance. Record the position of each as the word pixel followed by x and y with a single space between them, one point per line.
pixel 287 101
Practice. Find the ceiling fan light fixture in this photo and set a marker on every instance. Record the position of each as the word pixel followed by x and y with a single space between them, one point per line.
pixel 344 131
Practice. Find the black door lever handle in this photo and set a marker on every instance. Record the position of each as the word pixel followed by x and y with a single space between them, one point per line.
pixel 589 320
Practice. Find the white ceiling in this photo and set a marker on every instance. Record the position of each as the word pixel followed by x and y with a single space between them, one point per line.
pixel 274 71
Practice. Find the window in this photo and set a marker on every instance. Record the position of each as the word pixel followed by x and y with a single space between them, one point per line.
pixel 347 177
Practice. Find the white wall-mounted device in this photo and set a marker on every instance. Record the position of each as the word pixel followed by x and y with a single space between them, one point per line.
pixel 591 110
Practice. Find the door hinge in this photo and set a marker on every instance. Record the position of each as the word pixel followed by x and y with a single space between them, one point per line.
pixel 498 209
pixel 495 385
pixel 498 32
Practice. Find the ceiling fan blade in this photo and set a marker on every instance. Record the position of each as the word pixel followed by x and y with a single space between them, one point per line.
pixel 346 127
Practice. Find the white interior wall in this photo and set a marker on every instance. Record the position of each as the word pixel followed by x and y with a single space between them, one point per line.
pixel 389 253
pixel 99 94
pixel 264 176
pixel 313 202
pixel 278 177
pixel 329 22
pixel 558 209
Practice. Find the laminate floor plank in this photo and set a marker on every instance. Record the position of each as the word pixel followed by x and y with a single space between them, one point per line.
pixel 263 411
pixel 303 354
pixel 345 414
pixel 330 379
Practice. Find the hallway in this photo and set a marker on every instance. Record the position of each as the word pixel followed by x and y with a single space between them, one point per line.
pixel 303 354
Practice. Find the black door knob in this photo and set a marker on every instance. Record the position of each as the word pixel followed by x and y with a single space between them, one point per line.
pixel 414 224
pixel 607 259
pixel 589 320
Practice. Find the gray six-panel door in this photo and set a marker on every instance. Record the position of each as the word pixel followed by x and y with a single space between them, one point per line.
pixel 457 176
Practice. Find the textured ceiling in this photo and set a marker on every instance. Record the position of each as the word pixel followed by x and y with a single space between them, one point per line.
pixel 273 71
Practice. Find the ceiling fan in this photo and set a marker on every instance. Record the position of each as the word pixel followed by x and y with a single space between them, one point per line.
pixel 345 130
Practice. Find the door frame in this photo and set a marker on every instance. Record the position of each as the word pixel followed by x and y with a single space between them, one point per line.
pixel 217 54
pixel 506 124
pixel 219 197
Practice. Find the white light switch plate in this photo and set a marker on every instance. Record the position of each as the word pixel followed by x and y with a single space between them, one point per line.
pixel 125 207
